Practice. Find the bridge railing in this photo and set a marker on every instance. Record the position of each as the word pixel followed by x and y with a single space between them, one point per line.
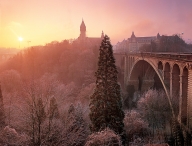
pixel 166 55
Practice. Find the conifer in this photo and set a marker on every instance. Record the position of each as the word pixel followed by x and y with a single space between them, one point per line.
pixel 106 103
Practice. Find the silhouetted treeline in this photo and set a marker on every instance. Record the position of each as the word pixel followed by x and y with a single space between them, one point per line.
pixel 167 44
pixel 67 60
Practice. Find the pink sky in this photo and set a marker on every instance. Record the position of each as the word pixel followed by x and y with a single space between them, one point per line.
pixel 43 21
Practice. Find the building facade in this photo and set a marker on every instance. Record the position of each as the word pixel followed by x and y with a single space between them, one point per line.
pixel 133 43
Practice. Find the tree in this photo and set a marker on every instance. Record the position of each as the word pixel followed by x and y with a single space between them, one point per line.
pixel 41 115
pixel 75 132
pixel 2 111
pixel 135 125
pixel 106 137
pixel 155 108
pixel 36 97
pixel 53 109
pixel 106 105
pixel 9 136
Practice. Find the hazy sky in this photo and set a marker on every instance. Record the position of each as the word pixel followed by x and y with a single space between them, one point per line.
pixel 43 21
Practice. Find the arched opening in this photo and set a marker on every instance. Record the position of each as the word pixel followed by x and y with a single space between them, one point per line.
pixel 167 75
pixel 138 74
pixel 157 83
pixel 142 78
pixel 176 88
pixel 160 65
pixel 122 62
pixel 175 81
pixel 184 96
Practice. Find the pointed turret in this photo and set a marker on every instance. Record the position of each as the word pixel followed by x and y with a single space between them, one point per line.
pixel 82 26
pixel 102 35
pixel 82 30
pixel 133 35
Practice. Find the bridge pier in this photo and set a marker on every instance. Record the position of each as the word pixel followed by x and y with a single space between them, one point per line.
pixel 171 87
pixel 189 99
pixel 180 99
pixel 126 66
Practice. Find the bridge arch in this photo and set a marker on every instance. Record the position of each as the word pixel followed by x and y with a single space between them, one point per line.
pixel 167 71
pixel 134 78
pixel 175 80
pixel 168 68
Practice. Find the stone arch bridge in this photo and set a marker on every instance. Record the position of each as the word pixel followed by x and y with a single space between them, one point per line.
pixel 170 72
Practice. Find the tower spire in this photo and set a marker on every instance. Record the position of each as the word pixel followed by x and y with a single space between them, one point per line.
pixel 82 29
pixel 102 35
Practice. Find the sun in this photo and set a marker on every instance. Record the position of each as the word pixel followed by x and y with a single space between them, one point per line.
pixel 20 39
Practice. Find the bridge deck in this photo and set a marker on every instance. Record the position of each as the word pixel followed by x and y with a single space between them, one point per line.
pixel 167 55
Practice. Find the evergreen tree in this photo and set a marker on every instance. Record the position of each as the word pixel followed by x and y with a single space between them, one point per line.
pixel 2 111
pixel 106 105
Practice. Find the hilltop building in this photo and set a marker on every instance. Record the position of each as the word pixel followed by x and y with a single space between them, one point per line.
pixel 88 41
pixel 133 43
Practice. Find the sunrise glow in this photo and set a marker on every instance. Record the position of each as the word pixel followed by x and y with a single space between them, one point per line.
pixel 20 39
pixel 43 21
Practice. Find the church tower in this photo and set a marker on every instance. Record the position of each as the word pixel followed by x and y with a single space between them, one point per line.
pixel 102 35
pixel 82 30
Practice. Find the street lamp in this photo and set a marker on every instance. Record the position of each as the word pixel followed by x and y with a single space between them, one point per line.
pixel 28 43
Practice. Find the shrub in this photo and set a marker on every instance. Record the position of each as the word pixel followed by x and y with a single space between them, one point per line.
pixel 107 137
pixel 155 108
pixel 9 136
pixel 135 125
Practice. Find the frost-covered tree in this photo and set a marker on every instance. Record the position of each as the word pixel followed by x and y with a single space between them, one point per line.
pixel 53 109
pixel 106 103
pixel 2 111
pixel 135 125
pixel 41 115
pixel 75 131
pixel 33 113
pixel 155 108
pixel 9 136
pixel 106 137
